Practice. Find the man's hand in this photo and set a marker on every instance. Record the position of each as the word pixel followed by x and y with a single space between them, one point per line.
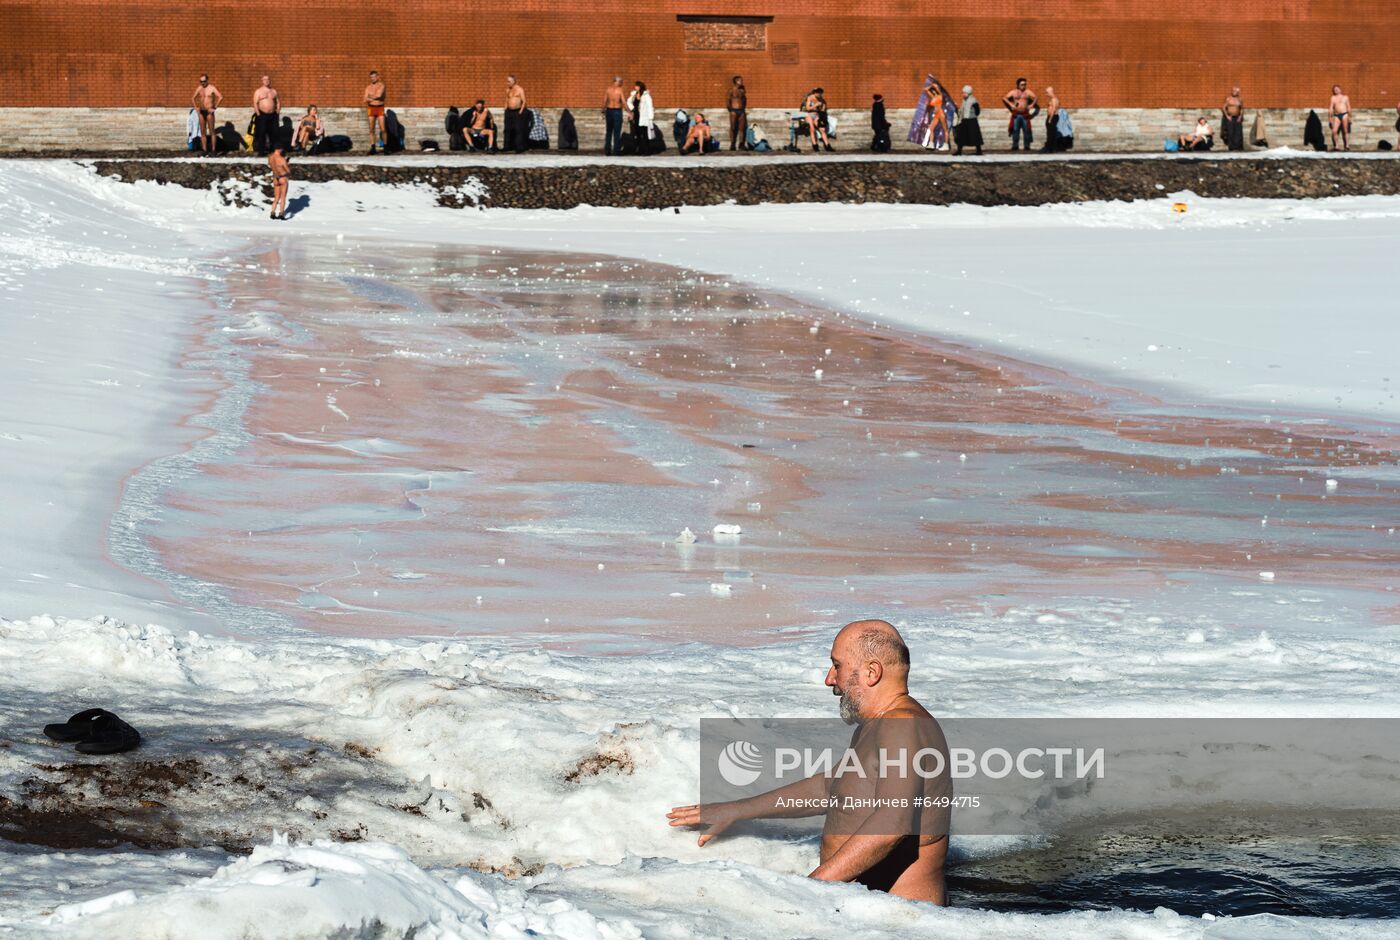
pixel 717 817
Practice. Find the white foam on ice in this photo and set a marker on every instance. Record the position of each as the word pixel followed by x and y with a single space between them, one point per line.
pixel 505 756
pixel 370 889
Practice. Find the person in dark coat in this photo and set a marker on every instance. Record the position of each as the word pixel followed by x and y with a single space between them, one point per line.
pixel 568 131
pixel 456 140
pixel 1312 133
pixel 968 131
pixel 394 133
pixel 880 143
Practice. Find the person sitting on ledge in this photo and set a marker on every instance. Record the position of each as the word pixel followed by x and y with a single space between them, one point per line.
pixel 1202 138
pixel 310 130
pixel 480 127
pixel 699 137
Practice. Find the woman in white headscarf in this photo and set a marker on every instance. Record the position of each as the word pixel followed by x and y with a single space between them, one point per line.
pixel 968 132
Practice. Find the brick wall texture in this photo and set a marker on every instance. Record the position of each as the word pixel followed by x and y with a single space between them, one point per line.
pixel 1096 53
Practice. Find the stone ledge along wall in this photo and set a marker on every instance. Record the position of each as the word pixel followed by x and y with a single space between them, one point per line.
pixel 1122 130
pixel 1097 53
pixel 895 181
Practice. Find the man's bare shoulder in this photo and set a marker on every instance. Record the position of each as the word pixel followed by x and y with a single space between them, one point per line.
pixel 909 708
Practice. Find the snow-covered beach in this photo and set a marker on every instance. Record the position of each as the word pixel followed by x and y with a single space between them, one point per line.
pixel 512 781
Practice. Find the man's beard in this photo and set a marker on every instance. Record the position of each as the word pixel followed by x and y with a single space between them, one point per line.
pixel 850 708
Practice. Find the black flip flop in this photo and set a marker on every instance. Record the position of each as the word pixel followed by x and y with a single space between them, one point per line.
pixel 110 735
pixel 77 728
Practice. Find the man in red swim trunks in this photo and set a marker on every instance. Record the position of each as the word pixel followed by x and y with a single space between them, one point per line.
pixel 374 107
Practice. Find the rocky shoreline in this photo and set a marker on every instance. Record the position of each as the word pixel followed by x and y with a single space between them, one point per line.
pixel 921 182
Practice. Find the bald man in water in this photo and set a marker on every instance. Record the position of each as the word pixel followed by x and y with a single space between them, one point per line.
pixel 901 851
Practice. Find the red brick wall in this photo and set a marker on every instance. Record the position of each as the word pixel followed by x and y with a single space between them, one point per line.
pixel 1097 53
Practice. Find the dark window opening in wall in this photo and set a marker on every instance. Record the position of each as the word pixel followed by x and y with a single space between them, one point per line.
pixel 725 33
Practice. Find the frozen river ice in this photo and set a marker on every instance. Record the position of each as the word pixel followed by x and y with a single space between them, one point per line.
pixel 511 442
pixel 417 478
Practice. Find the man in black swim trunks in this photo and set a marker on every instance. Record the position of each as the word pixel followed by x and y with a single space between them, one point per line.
pixel 738 113
pixel 281 174
pixel 206 101
pixel 1339 110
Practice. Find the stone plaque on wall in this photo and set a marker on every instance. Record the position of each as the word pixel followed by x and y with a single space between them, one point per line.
pixel 785 53
pixel 725 33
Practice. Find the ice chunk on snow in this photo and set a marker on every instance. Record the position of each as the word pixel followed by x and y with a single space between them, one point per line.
pixel 725 528
pixel 686 537
pixel 721 590
pixel 1266 576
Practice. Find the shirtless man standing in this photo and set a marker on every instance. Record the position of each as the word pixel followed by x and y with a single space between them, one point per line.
pixel 1232 120
pixel 206 101
pixel 266 110
pixel 281 173
pixel 1340 110
pixel 517 120
pixel 1021 102
pixel 899 851
pixel 613 101
pixel 1052 111
pixel 374 111
pixel 738 113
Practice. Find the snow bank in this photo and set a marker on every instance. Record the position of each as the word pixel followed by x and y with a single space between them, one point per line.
pixel 329 890
pixel 101 295
pixel 374 890
pixel 510 758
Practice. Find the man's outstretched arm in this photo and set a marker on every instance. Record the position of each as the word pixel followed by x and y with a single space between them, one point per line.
pixel 803 798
